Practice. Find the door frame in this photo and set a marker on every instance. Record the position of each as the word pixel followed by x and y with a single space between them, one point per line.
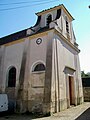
pixel 70 91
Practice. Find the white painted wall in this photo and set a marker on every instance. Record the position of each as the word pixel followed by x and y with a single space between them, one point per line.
pixel 38 52
pixel 12 57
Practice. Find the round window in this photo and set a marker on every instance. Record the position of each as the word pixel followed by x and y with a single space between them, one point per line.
pixel 39 41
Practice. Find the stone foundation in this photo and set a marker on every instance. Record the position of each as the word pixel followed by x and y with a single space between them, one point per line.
pixel 21 106
pixel 86 92
pixel 35 106
pixel 57 106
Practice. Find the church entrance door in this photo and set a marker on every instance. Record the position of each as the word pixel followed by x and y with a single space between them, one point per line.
pixel 71 90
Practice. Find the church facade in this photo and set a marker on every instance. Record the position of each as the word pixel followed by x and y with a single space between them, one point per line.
pixel 39 66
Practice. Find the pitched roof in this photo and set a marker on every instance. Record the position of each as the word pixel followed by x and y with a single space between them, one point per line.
pixel 20 35
pixel 55 8
pixel 13 37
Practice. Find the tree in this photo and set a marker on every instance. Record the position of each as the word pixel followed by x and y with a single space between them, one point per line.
pixel 82 74
pixel 88 74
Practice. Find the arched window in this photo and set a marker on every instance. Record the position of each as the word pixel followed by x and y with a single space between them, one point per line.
pixel 67 25
pixel 49 19
pixel 12 77
pixel 39 67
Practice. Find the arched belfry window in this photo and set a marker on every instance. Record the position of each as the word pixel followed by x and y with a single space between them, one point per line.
pixel 49 19
pixel 12 77
pixel 67 25
pixel 39 67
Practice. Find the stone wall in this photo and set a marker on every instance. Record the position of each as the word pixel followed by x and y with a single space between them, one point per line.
pixel 86 92
pixel 86 89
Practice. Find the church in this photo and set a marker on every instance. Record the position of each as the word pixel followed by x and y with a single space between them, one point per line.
pixel 40 67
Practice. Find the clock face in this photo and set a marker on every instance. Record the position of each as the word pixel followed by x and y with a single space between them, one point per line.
pixel 39 41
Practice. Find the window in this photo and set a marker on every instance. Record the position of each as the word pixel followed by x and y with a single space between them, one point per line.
pixel 12 77
pixel 39 67
pixel 49 19
pixel 67 25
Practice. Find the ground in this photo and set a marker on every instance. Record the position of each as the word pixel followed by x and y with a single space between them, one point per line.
pixel 80 112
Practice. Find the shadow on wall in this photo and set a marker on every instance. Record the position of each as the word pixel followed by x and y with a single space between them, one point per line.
pixel 85 115
pixel 11 106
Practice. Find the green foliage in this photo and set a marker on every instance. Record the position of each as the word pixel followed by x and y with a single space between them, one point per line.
pixel 85 75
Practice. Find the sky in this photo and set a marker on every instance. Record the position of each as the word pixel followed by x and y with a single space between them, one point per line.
pixel 17 15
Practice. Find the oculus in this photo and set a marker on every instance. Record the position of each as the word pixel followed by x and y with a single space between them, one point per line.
pixel 39 41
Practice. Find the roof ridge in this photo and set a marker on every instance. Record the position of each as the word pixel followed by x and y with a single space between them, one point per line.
pixel 48 9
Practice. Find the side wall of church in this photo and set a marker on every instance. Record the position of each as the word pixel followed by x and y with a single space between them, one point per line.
pixel 24 56
pixel 2 51
pixel 11 57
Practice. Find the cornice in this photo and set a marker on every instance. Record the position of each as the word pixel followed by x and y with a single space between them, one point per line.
pixel 41 34
pixel 14 42
pixel 36 35
pixel 66 40
pixel 56 8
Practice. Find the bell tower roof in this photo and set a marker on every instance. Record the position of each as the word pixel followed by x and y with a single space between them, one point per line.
pixel 61 6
